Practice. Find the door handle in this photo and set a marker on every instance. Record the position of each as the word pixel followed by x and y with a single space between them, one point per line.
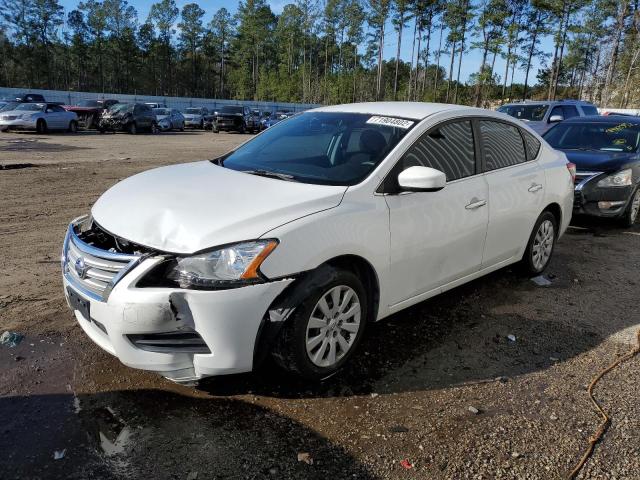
pixel 535 187
pixel 475 203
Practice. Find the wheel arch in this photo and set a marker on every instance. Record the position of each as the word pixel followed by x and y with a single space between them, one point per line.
pixel 556 211
pixel 298 290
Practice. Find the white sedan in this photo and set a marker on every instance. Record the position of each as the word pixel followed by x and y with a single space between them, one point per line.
pixel 293 243
pixel 40 117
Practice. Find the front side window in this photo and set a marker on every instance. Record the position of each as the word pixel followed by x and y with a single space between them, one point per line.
pixel 321 147
pixel 502 144
pixel 448 148
pixel 31 107
pixel 532 113
pixel 601 136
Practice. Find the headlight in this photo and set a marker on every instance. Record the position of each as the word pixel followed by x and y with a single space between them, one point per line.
pixel 618 179
pixel 239 263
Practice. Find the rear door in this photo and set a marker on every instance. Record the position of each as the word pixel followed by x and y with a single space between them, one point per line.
pixel 516 190
pixel 438 237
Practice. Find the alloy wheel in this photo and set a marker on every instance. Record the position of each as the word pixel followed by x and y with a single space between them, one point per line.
pixel 543 245
pixel 333 326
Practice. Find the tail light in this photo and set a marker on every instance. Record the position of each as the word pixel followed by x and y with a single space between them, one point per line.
pixel 572 171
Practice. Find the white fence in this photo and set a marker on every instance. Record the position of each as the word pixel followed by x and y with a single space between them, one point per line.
pixel 71 98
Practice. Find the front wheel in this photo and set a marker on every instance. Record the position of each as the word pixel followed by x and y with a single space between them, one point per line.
pixel 133 128
pixel 325 329
pixel 41 126
pixel 73 126
pixel 541 244
pixel 631 215
pixel 154 128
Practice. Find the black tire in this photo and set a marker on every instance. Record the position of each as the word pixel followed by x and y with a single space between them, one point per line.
pixel 154 128
pixel 290 350
pixel 73 126
pixel 215 129
pixel 132 128
pixel 41 126
pixel 528 263
pixel 201 124
pixel 243 128
pixel 631 213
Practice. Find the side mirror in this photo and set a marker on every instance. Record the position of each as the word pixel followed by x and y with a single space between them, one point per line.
pixel 421 179
pixel 555 118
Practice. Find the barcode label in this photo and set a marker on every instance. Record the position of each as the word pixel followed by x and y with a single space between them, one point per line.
pixel 391 122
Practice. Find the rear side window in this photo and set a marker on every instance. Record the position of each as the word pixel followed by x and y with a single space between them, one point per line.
pixel 570 111
pixel 589 110
pixel 532 145
pixel 448 148
pixel 503 145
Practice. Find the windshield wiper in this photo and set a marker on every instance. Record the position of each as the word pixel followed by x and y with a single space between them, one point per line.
pixel 268 174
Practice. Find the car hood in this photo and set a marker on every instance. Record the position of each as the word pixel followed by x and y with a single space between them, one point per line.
pixel 18 112
pixel 161 117
pixel 598 160
pixel 191 207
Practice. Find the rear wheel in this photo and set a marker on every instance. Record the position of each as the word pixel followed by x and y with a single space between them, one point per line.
pixel 154 128
pixel 631 215
pixel 541 244
pixel 133 128
pixel 325 329
pixel 41 126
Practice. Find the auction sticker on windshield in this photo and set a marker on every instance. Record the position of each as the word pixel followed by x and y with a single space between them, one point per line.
pixel 391 122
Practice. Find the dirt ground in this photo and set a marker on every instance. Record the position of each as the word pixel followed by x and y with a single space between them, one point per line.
pixel 406 395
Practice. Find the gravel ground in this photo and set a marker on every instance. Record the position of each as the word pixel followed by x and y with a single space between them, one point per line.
pixel 407 395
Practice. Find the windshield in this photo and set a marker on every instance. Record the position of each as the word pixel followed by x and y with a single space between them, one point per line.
pixel 88 103
pixel 192 111
pixel 30 107
pixel 321 147
pixel 609 137
pixel 231 109
pixel 161 111
pixel 9 106
pixel 534 113
pixel 120 107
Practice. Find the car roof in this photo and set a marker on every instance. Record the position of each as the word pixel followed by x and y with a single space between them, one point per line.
pixel 604 119
pixel 547 102
pixel 412 110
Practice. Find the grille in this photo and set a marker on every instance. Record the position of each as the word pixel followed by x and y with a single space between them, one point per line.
pixel 93 271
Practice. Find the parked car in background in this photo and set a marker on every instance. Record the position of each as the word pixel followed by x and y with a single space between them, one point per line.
pixel 294 242
pixel 28 98
pixel 169 119
pixel 90 111
pixel 606 152
pixel 40 117
pixel 195 117
pixel 254 121
pixel 232 118
pixel 155 105
pixel 128 117
pixel 274 118
pixel 543 115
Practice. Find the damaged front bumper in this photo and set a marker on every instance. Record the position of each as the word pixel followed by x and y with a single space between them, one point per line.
pixel 184 335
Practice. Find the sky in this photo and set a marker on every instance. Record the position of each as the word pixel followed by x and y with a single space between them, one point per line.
pixel 470 62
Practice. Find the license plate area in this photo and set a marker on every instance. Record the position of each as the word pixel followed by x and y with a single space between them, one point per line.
pixel 80 304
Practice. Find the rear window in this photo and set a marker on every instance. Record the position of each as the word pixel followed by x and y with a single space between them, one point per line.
pixel 589 110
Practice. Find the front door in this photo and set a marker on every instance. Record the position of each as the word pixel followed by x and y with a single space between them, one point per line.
pixel 438 237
